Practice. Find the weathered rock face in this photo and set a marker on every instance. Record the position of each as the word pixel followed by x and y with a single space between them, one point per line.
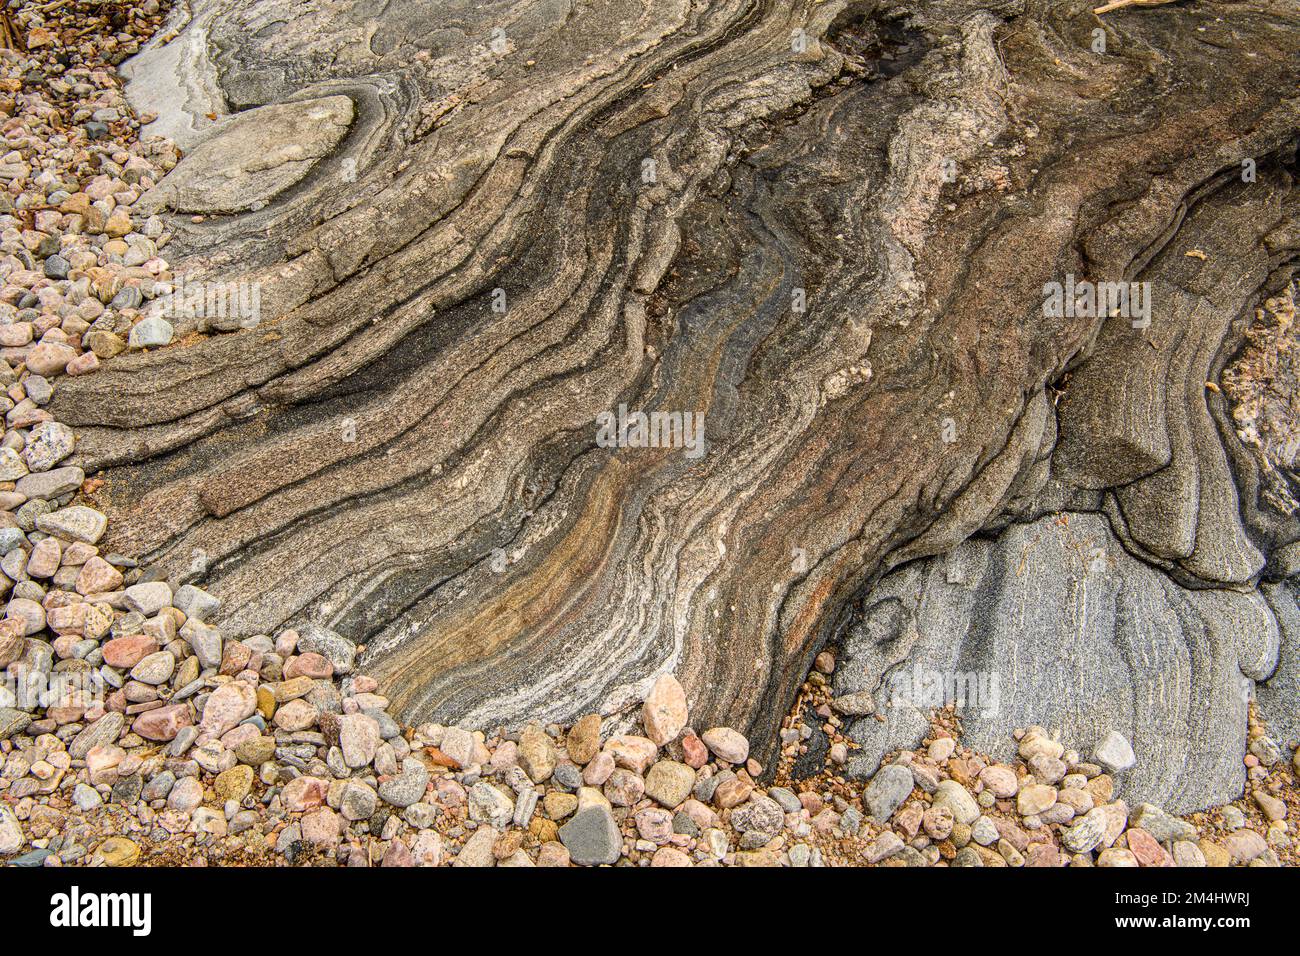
pixel 827 227
pixel 255 157
pixel 1054 623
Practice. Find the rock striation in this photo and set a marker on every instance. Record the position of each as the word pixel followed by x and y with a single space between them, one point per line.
pixel 825 227
pixel 1054 623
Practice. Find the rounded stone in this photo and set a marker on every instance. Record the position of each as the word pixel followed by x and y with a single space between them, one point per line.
pixel 726 744
pixel 234 784
pixel 669 783
pixel 154 669
pixel 118 851
pixel 664 712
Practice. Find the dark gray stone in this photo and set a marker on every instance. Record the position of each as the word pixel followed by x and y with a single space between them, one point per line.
pixel 592 837
pixel 887 791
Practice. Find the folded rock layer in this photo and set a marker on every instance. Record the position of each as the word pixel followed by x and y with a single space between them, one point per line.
pixel 826 227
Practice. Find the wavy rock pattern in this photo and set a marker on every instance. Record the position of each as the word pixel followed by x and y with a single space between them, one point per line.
pixel 1054 623
pixel 389 454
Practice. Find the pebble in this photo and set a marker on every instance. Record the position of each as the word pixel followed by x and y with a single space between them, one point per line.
pixel 983 831
pixel 726 744
pixel 1036 742
pixel 458 746
pixel 536 754
pixel 45 558
pixel 148 599
pixel 100 733
pixel 567 776
pixel 655 825
pixel 1114 752
pixel 153 332
pixel 1087 833
pixel 624 787
pixel 760 815
pixel 559 805
pixel 888 789
pixel 489 805
pixel 1265 750
pixel 359 739
pixel 329 644
pixel 303 793
pixel 583 740
pixel 669 783
pixel 1187 853
pixel 321 827
pixel 592 837
pixel 51 484
pixel 48 443
pixel 119 852
pixel 664 712
pixel 883 847
pixel 11 831
pixel 1043 855
pixel 195 603
pixel 1145 848
pixel 164 723
pixel 553 854
pixel 408 788
pixel 1035 799
pixel 77 522
pixel 938 822
pixel 632 752
pixel 205 642
pixel 670 856
pixel 941 749
pixel 1161 825
pixel 85 797
pixel 234 784
pixel 694 753
pixel 599 769
pixel 477 851
pixel 126 652
pixel 525 807
pixel 957 798
pixel 1272 808
pixel 231 703
pixel 50 358
pixel 159 786
pixel 12 466
pixel 786 798
pixel 1116 856
pixel 1244 845
pixel 186 794
pixel 155 668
